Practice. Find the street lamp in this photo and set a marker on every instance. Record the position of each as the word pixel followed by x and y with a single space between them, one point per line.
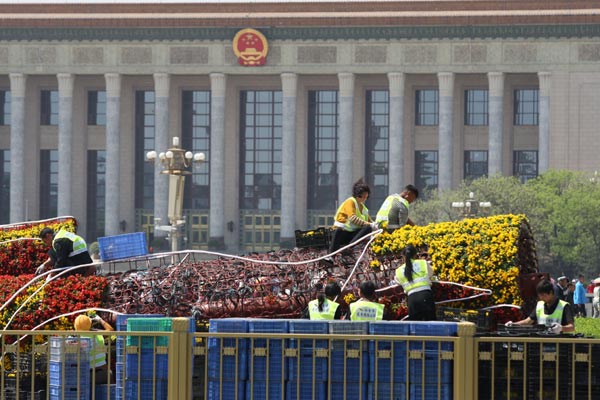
pixel 176 163
pixel 470 207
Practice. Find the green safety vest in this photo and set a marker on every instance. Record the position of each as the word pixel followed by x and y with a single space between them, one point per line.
pixel 328 313
pixel 79 245
pixel 384 211
pixel 364 310
pixel 548 320
pixel 349 226
pixel 420 276
pixel 97 352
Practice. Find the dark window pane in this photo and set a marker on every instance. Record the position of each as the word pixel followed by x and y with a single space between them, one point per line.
pixel 144 136
pixel 5 186
pixel 476 164
pixel 426 169
pixel 476 107
pixel 426 107
pixel 526 107
pixel 377 145
pixel 525 164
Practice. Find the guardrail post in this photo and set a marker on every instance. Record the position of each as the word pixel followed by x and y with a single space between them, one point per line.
pixel 180 361
pixel 464 362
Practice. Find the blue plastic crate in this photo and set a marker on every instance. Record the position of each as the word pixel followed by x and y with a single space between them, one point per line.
pixel 431 392
pixel 149 325
pixel 386 390
pixel 270 366
pixel 307 367
pixel 70 349
pixel 306 390
pixel 339 350
pixel 121 320
pixel 387 358
pixel 309 327
pixel 105 391
pixel 347 390
pixel 226 389
pixel 146 365
pixel 271 390
pixel 122 246
pixel 431 368
pixel 146 389
pixel 69 393
pixel 258 325
pixel 433 328
pixel 69 374
pixel 120 374
pixel 228 366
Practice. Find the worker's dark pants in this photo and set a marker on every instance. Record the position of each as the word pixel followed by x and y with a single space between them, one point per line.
pixel 342 237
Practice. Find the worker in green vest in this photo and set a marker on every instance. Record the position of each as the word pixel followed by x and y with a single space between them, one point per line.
pixel 98 366
pixel 367 308
pixel 556 314
pixel 324 307
pixel 67 249
pixel 415 277
pixel 393 213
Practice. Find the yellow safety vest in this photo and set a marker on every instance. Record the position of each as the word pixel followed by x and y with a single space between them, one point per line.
pixel 97 352
pixel 349 226
pixel 364 310
pixel 79 245
pixel 420 276
pixel 548 320
pixel 328 313
pixel 384 212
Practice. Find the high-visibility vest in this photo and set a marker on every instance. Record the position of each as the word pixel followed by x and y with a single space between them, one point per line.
pixel 328 313
pixel 420 276
pixel 79 245
pixel 364 310
pixel 384 212
pixel 97 352
pixel 349 226
pixel 548 320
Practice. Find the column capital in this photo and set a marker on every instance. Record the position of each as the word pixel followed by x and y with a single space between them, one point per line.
pixel 346 82
pixel 18 82
pixel 65 84
pixel 496 83
pixel 218 84
pixel 161 84
pixel 544 78
pixel 396 83
pixel 446 83
pixel 289 84
pixel 113 84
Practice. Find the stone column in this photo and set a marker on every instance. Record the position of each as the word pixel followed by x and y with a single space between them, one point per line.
pixel 161 142
pixel 65 144
pixel 445 137
pixel 289 83
pixel 218 86
pixel 544 121
pixel 495 122
pixel 113 137
pixel 345 124
pixel 18 83
pixel 396 131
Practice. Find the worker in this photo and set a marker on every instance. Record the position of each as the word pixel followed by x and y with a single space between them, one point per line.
pixel 66 250
pixel 393 213
pixel 556 314
pixel 98 365
pixel 324 306
pixel 366 308
pixel 415 278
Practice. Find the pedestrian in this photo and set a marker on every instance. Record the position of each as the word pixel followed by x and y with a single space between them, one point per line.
pixel 596 299
pixel 324 307
pixel 366 308
pixel 570 295
pixel 579 297
pixel 561 287
pixel 352 220
pixel 67 249
pixel 100 372
pixel 556 314
pixel 415 277
pixel 393 213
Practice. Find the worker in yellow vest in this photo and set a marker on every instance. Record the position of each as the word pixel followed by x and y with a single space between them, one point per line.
pixel 324 307
pixel 67 249
pixel 367 308
pixel 415 278
pixel 393 213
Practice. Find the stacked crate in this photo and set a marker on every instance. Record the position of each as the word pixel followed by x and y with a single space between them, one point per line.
pixel 349 362
pixel 388 361
pixel 307 369
pixel 227 359
pixel 267 362
pixel 69 368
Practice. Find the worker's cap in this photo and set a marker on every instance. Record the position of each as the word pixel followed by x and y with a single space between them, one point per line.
pixel 82 323
pixel 561 278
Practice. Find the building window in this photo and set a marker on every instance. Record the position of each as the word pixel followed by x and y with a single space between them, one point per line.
pixel 48 183
pixel 476 164
pixel 322 149
pixel 5 186
pixel 196 138
pixel 525 164
pixel 377 145
pixel 96 107
pixel 427 107
pixel 4 107
pixel 526 106
pixel 476 107
pixel 426 169
pixel 96 194
pixel 144 142
pixel 260 129
pixel 49 107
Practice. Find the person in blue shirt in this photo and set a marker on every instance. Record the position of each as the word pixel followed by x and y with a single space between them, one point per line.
pixel 579 297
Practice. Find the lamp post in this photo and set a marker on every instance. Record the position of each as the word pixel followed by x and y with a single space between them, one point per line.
pixel 470 207
pixel 176 163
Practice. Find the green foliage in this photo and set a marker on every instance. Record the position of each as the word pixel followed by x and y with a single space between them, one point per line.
pixel 588 326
